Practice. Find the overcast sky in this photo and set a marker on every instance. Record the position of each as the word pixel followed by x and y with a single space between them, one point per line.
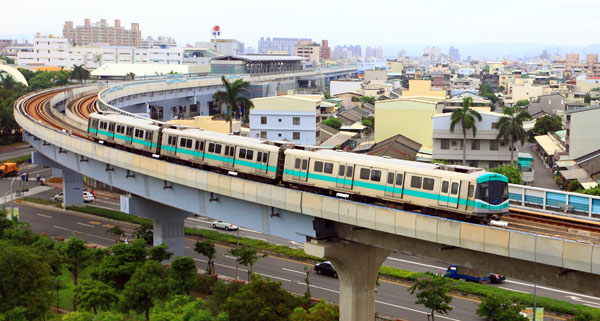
pixel 372 22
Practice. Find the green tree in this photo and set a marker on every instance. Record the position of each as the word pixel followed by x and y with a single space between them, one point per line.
pixel 95 295
pixel 432 292
pixel 496 305
pixel 182 275
pixel 207 248
pixel 322 311
pixel 587 98
pixel 333 123
pixel 144 232
pixel 260 300
pixel 544 125
pixel 368 99
pixel 246 256
pixel 76 256
pixel 116 231
pixel 7 81
pixel 368 121
pixel 522 103
pixel 326 94
pixel 232 96
pixel 159 253
pixel 80 73
pixel 27 73
pixel 466 117
pixel 25 281
pixel 501 89
pixel 117 268
pixel 148 284
pixel 512 172
pixel 185 308
pixel 510 127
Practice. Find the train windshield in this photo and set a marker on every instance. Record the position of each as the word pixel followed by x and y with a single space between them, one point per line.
pixel 493 192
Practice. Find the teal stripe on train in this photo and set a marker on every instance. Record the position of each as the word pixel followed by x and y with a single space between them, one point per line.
pixel 123 137
pixel 226 159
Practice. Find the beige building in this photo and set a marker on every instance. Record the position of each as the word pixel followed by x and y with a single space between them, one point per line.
pixel 309 50
pixel 101 33
pixel 423 88
pixel 409 116
pixel 483 150
pixel 583 136
pixel 394 67
pixel 524 88
pixel 208 124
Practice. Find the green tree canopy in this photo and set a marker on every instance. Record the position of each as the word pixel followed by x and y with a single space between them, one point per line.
pixel 587 98
pixel 466 118
pixel 95 295
pixel 333 123
pixel 246 256
pixel 207 248
pixel 500 307
pixel 159 253
pixel 547 124
pixel 116 231
pixel 185 308
pixel 510 127
pixel 233 98
pixel 117 268
pixel 76 256
pixel 80 73
pixel 522 103
pixel 322 311
pixel 368 99
pixel 182 275
pixel 432 292
pixel 147 285
pixel 511 172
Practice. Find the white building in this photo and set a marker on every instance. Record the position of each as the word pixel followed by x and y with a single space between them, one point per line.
pixel 483 150
pixel 292 118
pixel 161 42
pixel 226 47
pixel 53 51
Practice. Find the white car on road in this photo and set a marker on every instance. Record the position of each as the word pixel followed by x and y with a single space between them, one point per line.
pixel 224 225
pixel 87 197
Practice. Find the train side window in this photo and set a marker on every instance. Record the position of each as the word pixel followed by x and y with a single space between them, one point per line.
pixel 304 164
pixel 197 145
pixel 259 157
pixel 188 143
pixel 242 153
pixel 349 171
pixel 328 168
pixel 201 145
pixel 102 125
pixel 129 131
pixel 265 157
pixel 454 188
pixel 318 167
pixel 226 150
pixel 376 175
pixel 341 170
pixel 471 190
pixel 94 123
pixel 232 151
pixel 182 142
pixel 111 127
pixel 399 179
pixel 211 147
pixel 297 163
pixel 218 149
pixel 149 135
pixel 415 181
pixel 445 186
pixel 250 154
pixel 428 184
pixel 390 179
pixel 365 173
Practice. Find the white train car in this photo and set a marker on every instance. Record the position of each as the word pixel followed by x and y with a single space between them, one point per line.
pixel 136 133
pixel 232 153
pixel 469 191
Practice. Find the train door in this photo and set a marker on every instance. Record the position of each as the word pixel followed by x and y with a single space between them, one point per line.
pixel 344 177
pixel 449 193
pixel 129 134
pixel 262 160
pixel 227 157
pixel 300 171
pixel 199 150
pixel 393 184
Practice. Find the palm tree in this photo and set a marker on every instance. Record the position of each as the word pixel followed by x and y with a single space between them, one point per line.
pixel 7 81
pixel 465 116
pixel 80 73
pixel 231 96
pixel 510 127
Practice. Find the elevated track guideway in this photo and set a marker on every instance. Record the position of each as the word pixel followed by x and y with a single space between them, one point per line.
pixel 362 234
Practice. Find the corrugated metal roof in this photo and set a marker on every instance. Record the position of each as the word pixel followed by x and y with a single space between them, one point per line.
pixel 261 58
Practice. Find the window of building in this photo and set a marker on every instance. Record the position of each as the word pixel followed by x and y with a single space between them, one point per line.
pixel 263 135
pixel 475 144
pixel 428 184
pixel 445 144
pixel 318 167
pixel 493 145
pixel 473 163
pixel 296 120
pixel 263 120
pixel 376 175
pixel 365 173
pixel 296 136
pixel 328 168
pixel 493 164
pixel 415 181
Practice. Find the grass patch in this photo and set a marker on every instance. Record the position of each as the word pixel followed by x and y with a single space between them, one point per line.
pixel 481 290
pixel 21 159
pixel 41 201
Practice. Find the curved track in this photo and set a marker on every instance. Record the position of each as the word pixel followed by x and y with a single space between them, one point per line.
pixel 38 107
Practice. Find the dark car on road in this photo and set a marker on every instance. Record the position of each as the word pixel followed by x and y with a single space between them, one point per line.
pixel 326 268
pixel 497 278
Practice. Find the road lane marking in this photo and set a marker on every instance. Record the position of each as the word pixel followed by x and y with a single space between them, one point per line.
pixel 588 303
pixel 95 223
pixel 417 263
pixel 290 270
pixel 108 225
pixel 88 225
pixel 229 256
pixel 187 247
pixel 555 290
pixel 43 215
pixel 83 233
pixel 318 287
pixel 249 230
pixel 414 310
pixel 273 277
pixel 257 238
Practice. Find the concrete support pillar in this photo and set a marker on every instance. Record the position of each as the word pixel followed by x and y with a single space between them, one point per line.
pixel 168 221
pixel 357 266
pixel 72 188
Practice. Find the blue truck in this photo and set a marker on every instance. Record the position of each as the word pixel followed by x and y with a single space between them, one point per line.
pixel 463 273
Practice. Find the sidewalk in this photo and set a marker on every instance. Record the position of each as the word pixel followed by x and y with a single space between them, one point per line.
pixel 543 176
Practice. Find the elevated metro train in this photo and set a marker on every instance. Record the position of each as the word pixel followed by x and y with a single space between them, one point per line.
pixel 457 192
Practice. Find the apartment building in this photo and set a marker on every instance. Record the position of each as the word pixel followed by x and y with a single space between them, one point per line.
pixel 582 131
pixel 292 118
pixel 423 88
pixel 100 33
pixel 483 150
pixel 309 50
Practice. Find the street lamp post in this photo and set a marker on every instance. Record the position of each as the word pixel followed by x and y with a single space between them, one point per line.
pixel 236 262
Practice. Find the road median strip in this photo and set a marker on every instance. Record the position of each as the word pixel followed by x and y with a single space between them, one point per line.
pixel 461 288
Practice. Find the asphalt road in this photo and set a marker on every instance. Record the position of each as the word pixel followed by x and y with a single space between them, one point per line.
pixel 16 152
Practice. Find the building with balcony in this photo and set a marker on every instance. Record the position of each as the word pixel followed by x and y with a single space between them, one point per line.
pixel 100 33
pixel 483 150
pixel 291 118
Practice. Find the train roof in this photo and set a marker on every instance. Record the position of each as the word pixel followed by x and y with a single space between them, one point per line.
pixel 195 132
pixel 125 119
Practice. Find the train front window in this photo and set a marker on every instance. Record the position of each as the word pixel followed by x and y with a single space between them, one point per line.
pixel 493 192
